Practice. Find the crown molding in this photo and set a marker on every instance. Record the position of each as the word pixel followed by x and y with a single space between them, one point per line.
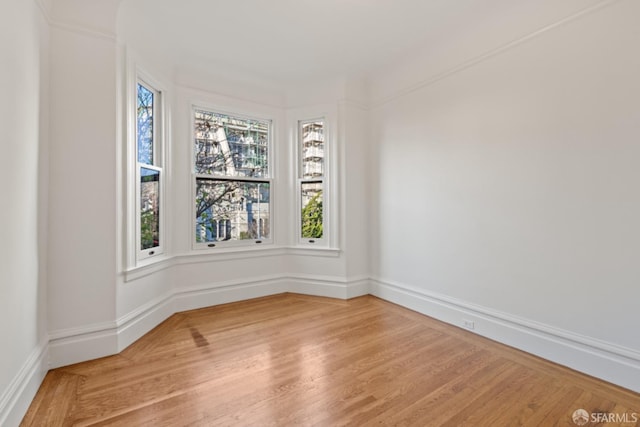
pixel 469 63
pixel 48 15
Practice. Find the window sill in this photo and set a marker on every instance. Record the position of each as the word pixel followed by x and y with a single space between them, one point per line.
pixel 229 253
pixel 148 266
pixel 154 265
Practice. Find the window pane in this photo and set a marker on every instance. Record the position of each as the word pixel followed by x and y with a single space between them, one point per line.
pixel 312 149
pixel 312 226
pixel 230 146
pixel 231 210
pixel 149 208
pixel 145 125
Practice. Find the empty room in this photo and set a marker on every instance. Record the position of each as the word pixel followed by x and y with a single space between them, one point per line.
pixel 297 213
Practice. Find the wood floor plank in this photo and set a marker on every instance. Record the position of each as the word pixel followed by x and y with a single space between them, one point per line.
pixel 55 400
pixel 296 360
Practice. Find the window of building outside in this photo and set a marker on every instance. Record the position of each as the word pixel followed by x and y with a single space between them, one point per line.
pixel 311 149
pixel 232 179
pixel 148 171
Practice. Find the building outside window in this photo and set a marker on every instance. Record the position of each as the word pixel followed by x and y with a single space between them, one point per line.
pixel 232 179
pixel 311 149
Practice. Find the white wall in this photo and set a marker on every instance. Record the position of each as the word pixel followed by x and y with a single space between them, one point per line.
pixel 23 173
pixel 82 208
pixel 355 150
pixel 511 186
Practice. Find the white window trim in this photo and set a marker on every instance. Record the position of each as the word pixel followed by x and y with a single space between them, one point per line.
pixel 233 245
pixel 158 162
pixel 135 256
pixel 329 241
pixel 326 201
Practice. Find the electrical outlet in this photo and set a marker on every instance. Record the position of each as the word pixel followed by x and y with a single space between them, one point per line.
pixel 468 324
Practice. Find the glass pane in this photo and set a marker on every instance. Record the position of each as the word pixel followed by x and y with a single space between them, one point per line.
pixel 149 208
pixel 312 134
pixel 231 210
pixel 145 125
pixel 230 146
pixel 312 226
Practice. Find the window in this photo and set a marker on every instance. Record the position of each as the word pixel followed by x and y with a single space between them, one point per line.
pixel 232 179
pixel 149 173
pixel 311 182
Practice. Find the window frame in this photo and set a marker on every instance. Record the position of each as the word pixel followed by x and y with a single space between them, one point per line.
pixel 321 242
pixel 142 256
pixel 270 178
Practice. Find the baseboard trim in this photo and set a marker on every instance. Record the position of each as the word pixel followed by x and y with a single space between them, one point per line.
pixel 135 324
pixel 76 345
pixel 82 346
pixel 607 361
pixel 358 286
pixel 213 294
pixel 328 286
pixel 16 399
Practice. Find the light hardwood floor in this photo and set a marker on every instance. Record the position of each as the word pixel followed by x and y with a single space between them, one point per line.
pixel 293 360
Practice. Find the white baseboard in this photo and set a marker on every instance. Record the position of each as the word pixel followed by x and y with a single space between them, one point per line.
pixel 67 347
pixel 603 360
pixel 213 294
pixel 357 287
pixel 77 345
pixel 135 324
pixel 330 287
pixel 15 400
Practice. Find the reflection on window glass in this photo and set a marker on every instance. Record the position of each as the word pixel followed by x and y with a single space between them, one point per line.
pixel 230 146
pixel 231 210
pixel 312 226
pixel 149 208
pixel 145 125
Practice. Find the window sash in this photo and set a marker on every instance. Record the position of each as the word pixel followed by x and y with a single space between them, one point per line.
pixel 230 145
pixel 147 119
pixel 149 175
pixel 311 148
pixel 311 210
pixel 149 212
pixel 231 154
pixel 311 183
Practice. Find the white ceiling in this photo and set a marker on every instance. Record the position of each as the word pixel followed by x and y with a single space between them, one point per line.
pixel 284 41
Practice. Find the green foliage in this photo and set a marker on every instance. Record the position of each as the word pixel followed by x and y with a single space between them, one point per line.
pixel 148 229
pixel 312 218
